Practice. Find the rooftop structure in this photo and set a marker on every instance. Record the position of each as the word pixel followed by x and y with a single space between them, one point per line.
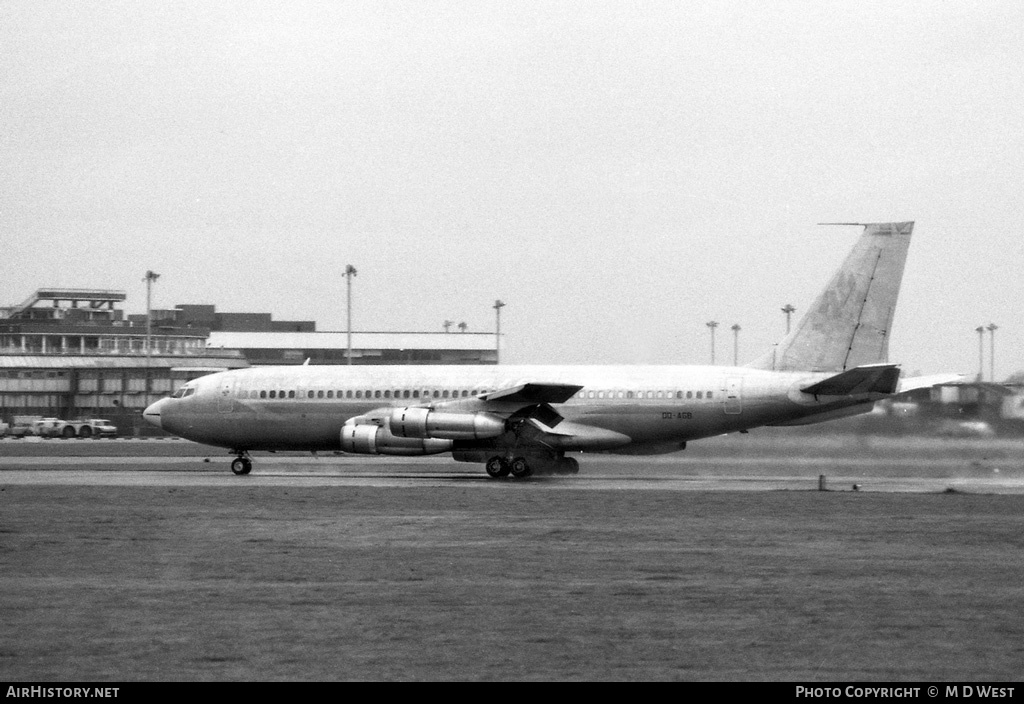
pixel 82 305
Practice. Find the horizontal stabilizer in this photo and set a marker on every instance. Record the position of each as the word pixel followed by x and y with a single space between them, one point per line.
pixel 867 379
pixel 925 382
pixel 534 393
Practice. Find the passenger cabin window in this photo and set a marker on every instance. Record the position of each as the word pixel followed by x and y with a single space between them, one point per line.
pixel 709 394
pixel 700 394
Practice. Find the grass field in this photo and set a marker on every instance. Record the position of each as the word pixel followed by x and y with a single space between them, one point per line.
pixel 508 581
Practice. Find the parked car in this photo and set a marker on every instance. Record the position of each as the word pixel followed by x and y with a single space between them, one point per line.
pixel 68 429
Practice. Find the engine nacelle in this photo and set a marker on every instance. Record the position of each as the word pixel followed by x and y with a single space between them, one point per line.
pixel 448 425
pixel 369 439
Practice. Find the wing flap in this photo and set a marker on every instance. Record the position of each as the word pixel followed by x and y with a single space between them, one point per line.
pixel 576 436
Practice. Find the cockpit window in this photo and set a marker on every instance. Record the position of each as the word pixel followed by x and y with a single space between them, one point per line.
pixel 184 392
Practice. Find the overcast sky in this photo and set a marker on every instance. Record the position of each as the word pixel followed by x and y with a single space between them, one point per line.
pixel 619 173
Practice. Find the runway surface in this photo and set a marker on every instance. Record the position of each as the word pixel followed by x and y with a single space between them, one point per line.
pixel 981 470
pixel 150 560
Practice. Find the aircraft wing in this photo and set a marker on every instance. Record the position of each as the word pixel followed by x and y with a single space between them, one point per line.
pixel 528 407
pixel 866 379
pixel 521 402
pixel 533 393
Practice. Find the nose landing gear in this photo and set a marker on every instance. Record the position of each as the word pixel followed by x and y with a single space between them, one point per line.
pixel 241 464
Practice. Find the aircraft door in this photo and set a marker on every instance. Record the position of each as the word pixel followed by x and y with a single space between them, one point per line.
pixel 226 396
pixel 734 395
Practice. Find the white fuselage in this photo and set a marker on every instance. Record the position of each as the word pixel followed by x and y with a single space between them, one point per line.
pixel 657 408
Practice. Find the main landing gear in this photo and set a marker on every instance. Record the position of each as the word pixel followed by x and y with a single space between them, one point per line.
pixel 520 467
pixel 241 464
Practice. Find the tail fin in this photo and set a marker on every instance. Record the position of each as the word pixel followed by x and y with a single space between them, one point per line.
pixel 849 323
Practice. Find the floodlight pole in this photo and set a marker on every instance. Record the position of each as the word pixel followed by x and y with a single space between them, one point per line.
pixel 712 324
pixel 736 344
pixel 150 277
pixel 350 271
pixel 991 351
pixel 498 305
pixel 981 352
pixel 788 310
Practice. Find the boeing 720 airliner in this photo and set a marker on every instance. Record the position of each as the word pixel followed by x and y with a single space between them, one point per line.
pixel 522 420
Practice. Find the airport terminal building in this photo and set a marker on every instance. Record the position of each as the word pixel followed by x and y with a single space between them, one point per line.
pixel 73 353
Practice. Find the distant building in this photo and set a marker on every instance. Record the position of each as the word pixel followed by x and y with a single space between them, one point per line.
pixel 367 347
pixel 72 353
pixel 69 353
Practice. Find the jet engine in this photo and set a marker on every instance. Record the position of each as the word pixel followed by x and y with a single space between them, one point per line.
pixel 372 439
pixel 426 423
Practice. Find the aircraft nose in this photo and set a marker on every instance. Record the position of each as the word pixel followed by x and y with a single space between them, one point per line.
pixel 152 413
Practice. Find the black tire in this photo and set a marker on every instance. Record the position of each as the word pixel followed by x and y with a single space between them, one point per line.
pixel 498 467
pixel 85 432
pixel 241 465
pixel 68 432
pixel 521 468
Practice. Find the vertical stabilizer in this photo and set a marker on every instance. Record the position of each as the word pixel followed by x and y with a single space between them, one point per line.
pixel 849 323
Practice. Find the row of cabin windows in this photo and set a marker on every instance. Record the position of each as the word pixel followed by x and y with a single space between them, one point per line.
pixel 464 393
pixel 360 393
pixel 647 394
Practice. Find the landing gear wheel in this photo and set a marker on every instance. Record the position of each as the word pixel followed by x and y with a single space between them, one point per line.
pixel 521 468
pixel 498 467
pixel 241 465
